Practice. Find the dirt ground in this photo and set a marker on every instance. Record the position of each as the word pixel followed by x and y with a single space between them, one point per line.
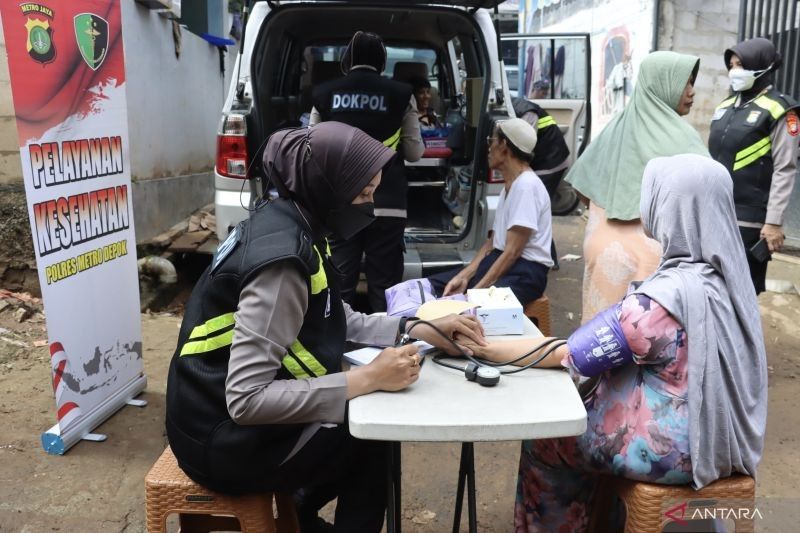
pixel 99 486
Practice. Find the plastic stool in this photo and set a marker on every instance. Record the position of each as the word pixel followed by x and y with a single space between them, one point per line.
pixel 646 503
pixel 539 312
pixel 169 490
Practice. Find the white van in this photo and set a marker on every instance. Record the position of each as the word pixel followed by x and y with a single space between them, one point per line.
pixel 291 46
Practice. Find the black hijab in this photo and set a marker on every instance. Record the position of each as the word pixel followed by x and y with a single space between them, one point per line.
pixel 756 54
pixel 365 48
pixel 323 169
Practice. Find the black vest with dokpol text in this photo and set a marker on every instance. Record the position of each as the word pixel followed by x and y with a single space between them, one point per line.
pixel 740 139
pixel 376 105
pixel 210 447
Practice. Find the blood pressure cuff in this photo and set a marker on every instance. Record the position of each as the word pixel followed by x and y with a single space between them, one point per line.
pixel 599 345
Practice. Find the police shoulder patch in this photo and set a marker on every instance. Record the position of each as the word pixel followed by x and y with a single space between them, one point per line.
pixel 792 123
pixel 719 113
pixel 225 249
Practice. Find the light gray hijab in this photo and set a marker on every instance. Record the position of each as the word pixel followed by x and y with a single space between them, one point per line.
pixel 703 281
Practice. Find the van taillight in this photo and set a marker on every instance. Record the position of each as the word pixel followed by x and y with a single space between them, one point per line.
pixel 232 147
pixel 494 176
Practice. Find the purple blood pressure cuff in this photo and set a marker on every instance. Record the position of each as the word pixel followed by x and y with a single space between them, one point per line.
pixel 599 345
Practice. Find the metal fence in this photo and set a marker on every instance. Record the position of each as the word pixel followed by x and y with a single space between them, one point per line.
pixel 778 21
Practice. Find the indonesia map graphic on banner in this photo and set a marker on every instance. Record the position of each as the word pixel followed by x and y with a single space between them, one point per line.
pixel 67 70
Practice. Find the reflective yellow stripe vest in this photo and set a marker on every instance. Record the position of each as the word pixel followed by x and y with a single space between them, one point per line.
pixel 200 430
pixel 740 140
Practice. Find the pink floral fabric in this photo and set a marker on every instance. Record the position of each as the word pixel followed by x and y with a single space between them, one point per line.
pixel 637 428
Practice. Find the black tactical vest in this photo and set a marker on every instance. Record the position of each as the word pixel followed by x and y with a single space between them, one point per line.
pixel 551 148
pixel 740 140
pixel 376 105
pixel 210 447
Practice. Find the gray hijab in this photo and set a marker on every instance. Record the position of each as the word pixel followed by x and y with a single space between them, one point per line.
pixel 325 167
pixel 703 281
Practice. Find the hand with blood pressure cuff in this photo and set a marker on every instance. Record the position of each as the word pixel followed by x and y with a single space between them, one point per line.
pixel 600 344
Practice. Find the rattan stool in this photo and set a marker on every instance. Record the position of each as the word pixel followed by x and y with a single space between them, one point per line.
pixel 645 502
pixel 539 312
pixel 168 490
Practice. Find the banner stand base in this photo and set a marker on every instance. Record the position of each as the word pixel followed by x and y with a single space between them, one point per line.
pixel 55 442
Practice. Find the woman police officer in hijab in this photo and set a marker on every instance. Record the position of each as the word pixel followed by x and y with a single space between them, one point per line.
pixel 256 395
pixel 754 134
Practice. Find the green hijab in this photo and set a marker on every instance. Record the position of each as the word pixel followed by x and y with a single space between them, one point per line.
pixel 610 171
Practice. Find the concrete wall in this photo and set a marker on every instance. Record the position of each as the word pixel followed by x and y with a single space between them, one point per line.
pixel 173 103
pixel 704 29
pixel 10 166
pixel 173 113
pixel 16 246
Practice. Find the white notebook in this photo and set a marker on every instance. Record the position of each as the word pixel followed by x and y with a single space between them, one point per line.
pixel 364 356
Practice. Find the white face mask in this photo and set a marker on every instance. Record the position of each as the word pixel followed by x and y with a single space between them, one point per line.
pixel 742 80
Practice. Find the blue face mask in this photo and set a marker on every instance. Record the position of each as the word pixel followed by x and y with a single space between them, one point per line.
pixel 345 222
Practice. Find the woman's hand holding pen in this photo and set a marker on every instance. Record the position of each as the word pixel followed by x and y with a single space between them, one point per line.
pixel 395 368
pixel 392 370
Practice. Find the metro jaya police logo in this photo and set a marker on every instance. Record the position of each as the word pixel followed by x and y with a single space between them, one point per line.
pixel 358 102
pixel 40 33
pixel 91 32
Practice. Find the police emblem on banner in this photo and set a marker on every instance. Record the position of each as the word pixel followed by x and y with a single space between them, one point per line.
pixel 40 32
pixel 91 32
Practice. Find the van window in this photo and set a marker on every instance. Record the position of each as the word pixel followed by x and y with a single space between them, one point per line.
pixel 426 56
pixel 552 68
pixel 394 55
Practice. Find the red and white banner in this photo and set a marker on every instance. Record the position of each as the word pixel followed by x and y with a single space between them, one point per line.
pixel 67 70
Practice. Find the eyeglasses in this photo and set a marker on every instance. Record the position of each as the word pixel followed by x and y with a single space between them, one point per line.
pixel 490 139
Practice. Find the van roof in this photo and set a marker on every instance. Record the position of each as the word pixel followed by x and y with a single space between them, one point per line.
pixel 472 4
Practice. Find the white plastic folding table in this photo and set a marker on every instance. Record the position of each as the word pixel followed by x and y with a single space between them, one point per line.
pixel 442 406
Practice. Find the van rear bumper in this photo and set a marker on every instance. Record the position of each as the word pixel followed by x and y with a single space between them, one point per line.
pixel 229 210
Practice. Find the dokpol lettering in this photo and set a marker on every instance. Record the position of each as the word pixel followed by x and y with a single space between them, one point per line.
pixel 358 102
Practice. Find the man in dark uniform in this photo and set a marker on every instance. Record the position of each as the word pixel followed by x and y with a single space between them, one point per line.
pixel 551 152
pixel 754 134
pixel 385 110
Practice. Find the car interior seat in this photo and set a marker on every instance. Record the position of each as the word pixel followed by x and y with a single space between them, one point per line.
pixel 407 70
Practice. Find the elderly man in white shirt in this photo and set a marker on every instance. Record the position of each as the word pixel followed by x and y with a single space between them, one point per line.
pixel 516 253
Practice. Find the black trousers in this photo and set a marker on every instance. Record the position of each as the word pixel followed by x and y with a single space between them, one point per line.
pixel 382 245
pixel 551 181
pixel 526 279
pixel 334 464
pixel 758 269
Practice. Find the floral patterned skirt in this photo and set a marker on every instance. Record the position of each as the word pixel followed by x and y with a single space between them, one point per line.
pixel 633 430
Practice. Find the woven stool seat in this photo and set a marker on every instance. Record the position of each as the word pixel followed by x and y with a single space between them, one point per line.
pixel 539 312
pixel 169 490
pixel 646 503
